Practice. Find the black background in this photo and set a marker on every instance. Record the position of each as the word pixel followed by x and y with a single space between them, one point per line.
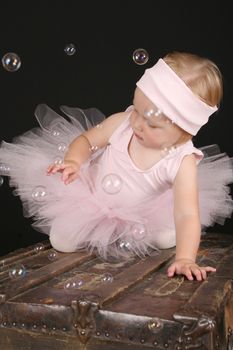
pixel 101 73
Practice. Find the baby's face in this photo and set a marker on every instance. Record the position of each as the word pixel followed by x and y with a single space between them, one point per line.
pixel 151 127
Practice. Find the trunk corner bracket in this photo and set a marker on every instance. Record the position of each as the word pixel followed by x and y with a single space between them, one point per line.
pixel 84 318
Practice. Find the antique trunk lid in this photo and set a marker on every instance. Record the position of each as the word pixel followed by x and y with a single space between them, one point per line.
pixel 77 301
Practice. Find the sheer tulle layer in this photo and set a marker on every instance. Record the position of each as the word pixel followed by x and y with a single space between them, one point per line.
pixel 76 216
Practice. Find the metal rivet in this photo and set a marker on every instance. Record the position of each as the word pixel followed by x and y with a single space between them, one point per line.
pixel 142 341
pixel 106 334
pixel 23 324
pixel 118 336
pixel 166 345
pixel 75 325
pixel 34 326
pixel 54 328
pixel 44 326
pixel 91 326
pixel 4 323
pixel 14 324
pixel 98 333
pixel 83 332
pixel 64 329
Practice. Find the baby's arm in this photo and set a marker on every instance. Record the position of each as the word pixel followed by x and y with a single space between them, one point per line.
pixel 80 148
pixel 187 222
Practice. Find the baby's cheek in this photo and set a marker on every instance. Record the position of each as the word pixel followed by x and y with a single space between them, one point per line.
pixel 132 118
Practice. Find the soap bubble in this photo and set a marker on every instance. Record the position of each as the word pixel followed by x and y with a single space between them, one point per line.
pixel 112 183
pixel 107 278
pixel 39 193
pixel 99 126
pixel 70 49
pixel 53 255
pixel 125 246
pixel 153 112
pixel 58 160
pixel 138 231
pixel 70 285
pixel 93 149
pixel 140 56
pixel 55 128
pixel 4 169
pixel 61 147
pixel 73 284
pixel 39 247
pixel 55 133
pixel 11 62
pixel 150 112
pixel 17 271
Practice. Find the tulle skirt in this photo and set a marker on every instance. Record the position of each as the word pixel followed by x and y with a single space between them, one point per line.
pixel 75 217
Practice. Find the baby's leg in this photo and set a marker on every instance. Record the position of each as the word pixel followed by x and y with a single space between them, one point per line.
pixel 62 243
pixel 161 226
pixel 165 238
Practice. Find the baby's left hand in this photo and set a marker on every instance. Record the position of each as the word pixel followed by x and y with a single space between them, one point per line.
pixel 189 269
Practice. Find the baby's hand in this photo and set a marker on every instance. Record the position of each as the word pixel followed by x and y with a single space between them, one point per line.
pixel 69 170
pixel 189 269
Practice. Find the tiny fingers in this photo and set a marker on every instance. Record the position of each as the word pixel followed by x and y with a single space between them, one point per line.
pixel 53 168
pixel 204 271
pixel 65 175
pixel 69 172
pixel 207 269
pixel 210 269
pixel 49 169
pixel 171 271
pixel 200 273
pixel 190 271
pixel 188 274
pixel 70 179
pixel 69 175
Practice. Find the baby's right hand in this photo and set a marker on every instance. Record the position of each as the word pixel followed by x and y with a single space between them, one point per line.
pixel 69 170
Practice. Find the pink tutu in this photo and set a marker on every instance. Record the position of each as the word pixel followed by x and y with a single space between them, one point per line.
pixel 78 216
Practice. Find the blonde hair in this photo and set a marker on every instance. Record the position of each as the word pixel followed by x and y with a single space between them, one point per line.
pixel 200 74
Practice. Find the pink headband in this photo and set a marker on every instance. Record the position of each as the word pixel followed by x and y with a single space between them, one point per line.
pixel 173 97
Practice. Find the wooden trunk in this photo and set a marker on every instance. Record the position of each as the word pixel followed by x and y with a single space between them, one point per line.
pixel 115 305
